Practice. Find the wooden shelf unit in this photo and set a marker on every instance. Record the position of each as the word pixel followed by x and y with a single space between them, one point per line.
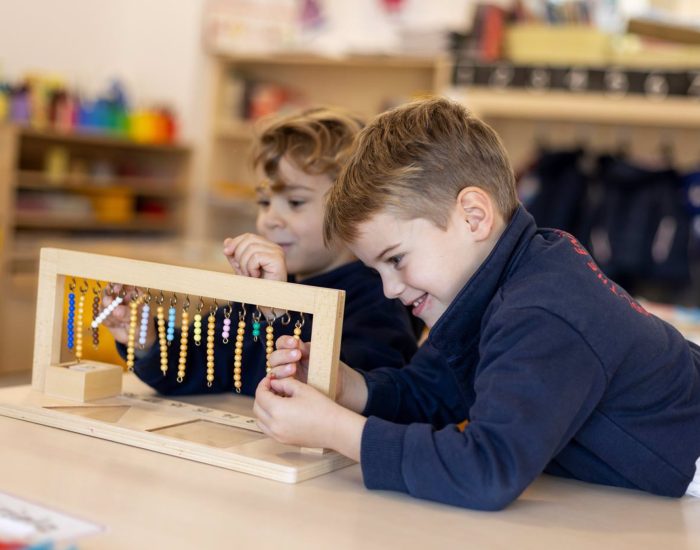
pixel 364 85
pixel 75 210
pixel 524 118
pixel 94 198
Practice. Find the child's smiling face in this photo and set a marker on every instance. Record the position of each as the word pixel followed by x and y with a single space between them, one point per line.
pixel 422 264
pixel 290 214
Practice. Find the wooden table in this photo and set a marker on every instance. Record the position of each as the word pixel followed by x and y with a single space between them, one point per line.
pixel 146 499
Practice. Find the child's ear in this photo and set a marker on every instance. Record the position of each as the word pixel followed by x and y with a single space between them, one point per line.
pixel 476 208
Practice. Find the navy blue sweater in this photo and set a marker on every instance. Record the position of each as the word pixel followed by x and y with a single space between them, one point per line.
pixel 556 368
pixel 376 332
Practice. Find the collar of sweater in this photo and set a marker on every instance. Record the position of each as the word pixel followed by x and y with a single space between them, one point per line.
pixel 460 324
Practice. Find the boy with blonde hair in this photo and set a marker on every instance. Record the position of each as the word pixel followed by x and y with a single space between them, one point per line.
pixel 555 366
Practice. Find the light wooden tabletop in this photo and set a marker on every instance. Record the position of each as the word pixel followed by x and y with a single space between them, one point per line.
pixel 146 499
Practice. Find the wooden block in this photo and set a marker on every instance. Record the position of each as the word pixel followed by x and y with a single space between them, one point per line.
pixel 84 381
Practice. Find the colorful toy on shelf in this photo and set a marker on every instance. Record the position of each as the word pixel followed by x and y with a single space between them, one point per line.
pixel 46 103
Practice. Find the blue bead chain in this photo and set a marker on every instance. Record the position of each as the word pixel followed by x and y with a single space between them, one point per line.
pixel 70 328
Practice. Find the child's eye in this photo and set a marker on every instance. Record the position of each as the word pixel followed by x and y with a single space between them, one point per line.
pixel 296 204
pixel 396 260
pixel 263 203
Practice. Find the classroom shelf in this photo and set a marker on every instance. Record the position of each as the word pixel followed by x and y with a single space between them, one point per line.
pixel 361 84
pixel 87 195
pixel 73 222
pixel 100 140
pixel 30 180
pixel 583 108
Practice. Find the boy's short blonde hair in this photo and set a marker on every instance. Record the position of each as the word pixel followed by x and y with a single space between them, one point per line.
pixel 317 141
pixel 413 161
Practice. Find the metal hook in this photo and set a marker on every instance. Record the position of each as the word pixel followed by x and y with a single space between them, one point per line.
pixel 160 298
pixel 72 285
pixel 148 297
pixel 228 308
pixel 200 305
pixel 186 303
pixel 214 308
pixel 300 322
pixel 242 313
pixel 286 318
pixel 97 288
pixel 173 300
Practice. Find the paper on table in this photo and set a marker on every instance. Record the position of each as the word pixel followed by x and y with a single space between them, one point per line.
pixel 30 523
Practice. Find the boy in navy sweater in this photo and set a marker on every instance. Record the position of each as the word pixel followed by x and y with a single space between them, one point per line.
pixel 297 158
pixel 557 368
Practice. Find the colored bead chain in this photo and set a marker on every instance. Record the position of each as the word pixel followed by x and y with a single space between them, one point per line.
pixel 211 330
pixel 145 318
pixel 238 351
pixel 184 332
pixel 79 323
pixel 170 333
pixel 269 343
pixel 160 317
pixel 106 312
pixel 131 335
pixel 198 324
pixel 226 330
pixel 97 291
pixel 70 321
pixel 257 315
pixel 298 326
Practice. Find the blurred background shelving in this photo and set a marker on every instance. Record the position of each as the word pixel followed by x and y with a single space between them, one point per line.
pixel 247 88
pixel 76 187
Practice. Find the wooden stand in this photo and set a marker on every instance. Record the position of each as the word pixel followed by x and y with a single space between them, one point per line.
pixel 206 435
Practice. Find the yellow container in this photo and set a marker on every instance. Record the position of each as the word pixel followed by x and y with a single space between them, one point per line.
pixel 114 205
pixel 557 45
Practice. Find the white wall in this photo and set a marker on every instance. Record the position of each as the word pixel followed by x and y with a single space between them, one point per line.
pixel 154 46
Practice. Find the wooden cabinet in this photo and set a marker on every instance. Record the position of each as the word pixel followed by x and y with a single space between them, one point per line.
pixel 365 85
pixel 72 189
pixel 88 192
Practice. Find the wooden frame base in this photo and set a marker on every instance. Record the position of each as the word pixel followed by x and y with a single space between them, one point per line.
pixel 211 436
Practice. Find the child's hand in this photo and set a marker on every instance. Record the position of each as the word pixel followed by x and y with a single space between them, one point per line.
pixel 118 321
pixel 254 256
pixel 294 413
pixel 291 358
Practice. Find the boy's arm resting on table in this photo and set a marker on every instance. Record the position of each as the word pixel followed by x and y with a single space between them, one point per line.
pixel 538 382
pixel 425 390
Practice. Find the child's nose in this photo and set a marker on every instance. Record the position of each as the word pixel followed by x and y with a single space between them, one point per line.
pixel 272 219
pixel 392 287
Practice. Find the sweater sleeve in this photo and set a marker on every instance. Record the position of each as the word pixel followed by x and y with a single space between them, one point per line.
pixel 537 381
pixel 426 390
